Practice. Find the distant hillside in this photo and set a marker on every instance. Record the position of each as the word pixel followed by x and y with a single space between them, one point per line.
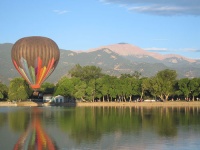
pixel 7 70
pixel 113 59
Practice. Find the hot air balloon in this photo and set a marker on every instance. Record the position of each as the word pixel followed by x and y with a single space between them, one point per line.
pixel 35 58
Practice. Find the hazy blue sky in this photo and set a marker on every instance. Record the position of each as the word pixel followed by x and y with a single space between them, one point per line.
pixel 164 26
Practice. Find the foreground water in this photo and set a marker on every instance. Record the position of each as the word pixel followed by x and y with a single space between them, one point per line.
pixel 112 128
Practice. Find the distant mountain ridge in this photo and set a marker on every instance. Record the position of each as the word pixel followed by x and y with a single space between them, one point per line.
pixel 125 49
pixel 113 59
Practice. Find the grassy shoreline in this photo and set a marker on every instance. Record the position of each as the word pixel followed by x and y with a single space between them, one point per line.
pixel 110 104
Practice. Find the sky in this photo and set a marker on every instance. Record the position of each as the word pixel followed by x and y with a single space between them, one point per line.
pixel 162 26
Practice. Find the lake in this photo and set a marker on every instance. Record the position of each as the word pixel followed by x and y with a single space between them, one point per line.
pixel 89 128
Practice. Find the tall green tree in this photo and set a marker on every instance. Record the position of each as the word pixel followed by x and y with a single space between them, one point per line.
pixel 19 89
pixel 76 71
pixel 3 91
pixel 193 86
pixel 99 88
pixel 122 83
pixel 64 87
pixel 80 90
pixel 136 87
pixel 128 87
pixel 86 73
pixel 177 92
pixel 47 88
pixel 103 86
pixel 114 89
pixel 145 87
pixel 183 87
pixel 91 90
pixel 163 84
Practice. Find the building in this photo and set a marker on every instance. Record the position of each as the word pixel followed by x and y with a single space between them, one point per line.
pixel 47 98
pixel 58 99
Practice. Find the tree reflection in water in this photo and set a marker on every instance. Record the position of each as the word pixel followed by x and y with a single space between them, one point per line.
pixel 34 136
pixel 90 123
pixel 87 125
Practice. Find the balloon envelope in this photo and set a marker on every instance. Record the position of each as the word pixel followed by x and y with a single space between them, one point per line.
pixel 35 58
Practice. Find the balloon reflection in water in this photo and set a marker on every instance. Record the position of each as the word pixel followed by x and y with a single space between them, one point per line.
pixel 35 138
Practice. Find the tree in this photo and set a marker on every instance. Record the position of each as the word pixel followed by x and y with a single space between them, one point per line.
pixel 136 87
pixel 64 87
pixel 47 88
pixel 143 86
pixel 128 86
pixel 137 74
pixel 155 87
pixel 1 95
pixel 98 88
pixel 183 87
pixel 102 87
pixel 193 86
pixel 86 73
pixel 177 91
pixel 22 92
pixel 114 89
pixel 80 90
pixel 91 90
pixel 162 85
pixel 125 75
pixel 121 84
pixel 76 71
pixel 3 91
pixel 19 89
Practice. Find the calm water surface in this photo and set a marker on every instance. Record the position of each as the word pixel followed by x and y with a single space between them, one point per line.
pixel 112 128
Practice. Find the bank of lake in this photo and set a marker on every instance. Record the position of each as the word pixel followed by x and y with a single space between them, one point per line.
pixel 108 104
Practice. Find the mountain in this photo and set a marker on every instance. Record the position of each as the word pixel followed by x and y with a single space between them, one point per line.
pixel 185 67
pixel 128 50
pixel 113 59
pixel 7 70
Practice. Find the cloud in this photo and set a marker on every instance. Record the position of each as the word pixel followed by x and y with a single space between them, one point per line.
pixel 160 7
pixel 60 12
pixel 191 50
pixel 156 49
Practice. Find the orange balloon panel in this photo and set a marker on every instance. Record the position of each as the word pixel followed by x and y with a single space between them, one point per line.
pixel 35 58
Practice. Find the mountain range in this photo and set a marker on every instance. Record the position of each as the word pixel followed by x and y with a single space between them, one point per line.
pixel 114 59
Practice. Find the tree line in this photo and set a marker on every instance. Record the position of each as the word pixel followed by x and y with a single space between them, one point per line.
pixel 88 83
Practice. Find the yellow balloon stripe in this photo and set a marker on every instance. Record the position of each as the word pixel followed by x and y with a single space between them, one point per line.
pixel 49 68
pixel 43 70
